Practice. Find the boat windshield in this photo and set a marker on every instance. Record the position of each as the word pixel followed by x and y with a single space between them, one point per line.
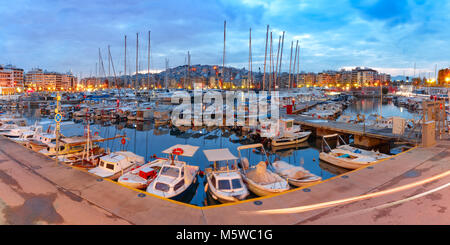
pixel 169 171
pixel 162 187
pixel 224 185
pixel 236 183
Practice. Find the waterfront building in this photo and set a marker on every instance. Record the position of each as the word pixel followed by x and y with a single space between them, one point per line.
pixel 11 79
pixel 38 79
pixel 444 77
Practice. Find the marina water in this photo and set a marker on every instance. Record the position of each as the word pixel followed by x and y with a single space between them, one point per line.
pixel 148 140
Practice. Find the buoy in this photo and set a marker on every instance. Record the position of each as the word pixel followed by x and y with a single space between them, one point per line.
pixel 123 141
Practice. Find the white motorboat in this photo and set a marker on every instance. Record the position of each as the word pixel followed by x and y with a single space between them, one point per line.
pixel 176 179
pixel 347 156
pixel 258 178
pixel 224 184
pixel 113 165
pixel 295 175
pixel 289 134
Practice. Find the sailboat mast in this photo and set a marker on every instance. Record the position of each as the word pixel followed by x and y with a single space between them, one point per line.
pixel 125 63
pixel 148 63
pixel 276 67
pixel 250 78
pixel 137 55
pixel 223 59
pixel 265 57
pixel 298 65
pixel 295 62
pixel 270 63
pixel 290 63
pixel 281 57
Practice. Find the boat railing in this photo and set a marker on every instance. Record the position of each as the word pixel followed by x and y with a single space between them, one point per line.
pixel 326 143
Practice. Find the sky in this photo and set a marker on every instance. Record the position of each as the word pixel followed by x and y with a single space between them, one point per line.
pixel 66 35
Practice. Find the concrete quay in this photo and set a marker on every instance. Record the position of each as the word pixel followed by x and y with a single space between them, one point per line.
pixel 36 190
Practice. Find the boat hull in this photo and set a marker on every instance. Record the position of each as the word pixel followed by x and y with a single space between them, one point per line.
pixel 276 143
pixel 341 162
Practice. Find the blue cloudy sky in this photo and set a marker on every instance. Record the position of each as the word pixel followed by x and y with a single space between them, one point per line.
pixel 63 35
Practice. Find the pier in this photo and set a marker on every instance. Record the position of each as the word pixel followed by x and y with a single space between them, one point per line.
pixel 36 190
pixel 365 136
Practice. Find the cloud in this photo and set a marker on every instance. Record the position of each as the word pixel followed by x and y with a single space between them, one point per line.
pixel 65 35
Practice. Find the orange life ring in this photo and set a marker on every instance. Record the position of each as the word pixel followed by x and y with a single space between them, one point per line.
pixel 96 133
pixel 177 151
pixel 123 141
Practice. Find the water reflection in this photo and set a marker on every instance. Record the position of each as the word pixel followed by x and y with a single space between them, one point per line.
pixel 148 140
pixel 369 106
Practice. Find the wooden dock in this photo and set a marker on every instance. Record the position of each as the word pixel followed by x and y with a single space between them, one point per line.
pixel 367 136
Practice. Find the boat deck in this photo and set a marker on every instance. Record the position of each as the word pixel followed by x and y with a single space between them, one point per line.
pixel 36 190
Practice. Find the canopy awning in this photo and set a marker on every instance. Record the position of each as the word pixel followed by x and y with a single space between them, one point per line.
pixel 219 155
pixel 187 150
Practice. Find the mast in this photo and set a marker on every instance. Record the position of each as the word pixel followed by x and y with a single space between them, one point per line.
pixel 270 63
pixel 148 62
pixel 298 65
pixel 137 55
pixel 125 64
pixel 265 57
pixel 281 57
pixel 223 59
pixel 114 70
pixel 189 70
pixel 109 64
pixel 276 67
pixel 290 63
pixel 250 76
pixel 295 60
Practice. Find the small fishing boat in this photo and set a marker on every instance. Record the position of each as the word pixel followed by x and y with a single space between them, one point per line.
pixel 258 178
pixel 347 156
pixel 176 179
pixel 115 164
pixel 224 184
pixel 289 134
pixel 295 175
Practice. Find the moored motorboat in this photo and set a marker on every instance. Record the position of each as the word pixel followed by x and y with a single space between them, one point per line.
pixel 176 179
pixel 224 183
pixel 115 164
pixel 346 156
pixel 295 175
pixel 258 178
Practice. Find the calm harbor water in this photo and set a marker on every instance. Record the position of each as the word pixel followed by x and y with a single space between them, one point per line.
pixel 372 105
pixel 144 139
